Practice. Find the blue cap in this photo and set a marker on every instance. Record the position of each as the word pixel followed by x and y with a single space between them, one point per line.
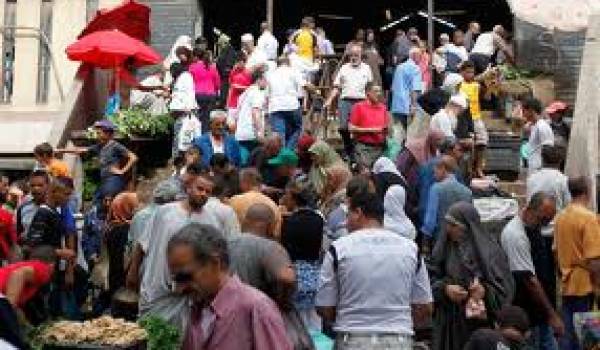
pixel 105 125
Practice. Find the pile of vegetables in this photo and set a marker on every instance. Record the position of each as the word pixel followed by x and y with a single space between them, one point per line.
pixel 161 334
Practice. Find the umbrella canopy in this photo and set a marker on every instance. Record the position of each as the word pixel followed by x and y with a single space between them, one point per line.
pixel 110 48
pixel 131 18
pixel 561 15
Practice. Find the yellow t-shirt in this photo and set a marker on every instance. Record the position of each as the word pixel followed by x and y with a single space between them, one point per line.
pixel 58 168
pixel 305 43
pixel 577 239
pixel 471 90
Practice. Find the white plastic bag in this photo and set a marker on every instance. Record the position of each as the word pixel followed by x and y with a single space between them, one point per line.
pixel 191 128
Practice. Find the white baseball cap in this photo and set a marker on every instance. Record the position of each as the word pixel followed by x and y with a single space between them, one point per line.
pixel 246 38
pixel 459 100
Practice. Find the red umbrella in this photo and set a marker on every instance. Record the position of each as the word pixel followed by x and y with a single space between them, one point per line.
pixel 111 48
pixel 131 17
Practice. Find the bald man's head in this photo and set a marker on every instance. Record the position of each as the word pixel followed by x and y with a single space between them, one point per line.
pixel 259 220
pixel 446 165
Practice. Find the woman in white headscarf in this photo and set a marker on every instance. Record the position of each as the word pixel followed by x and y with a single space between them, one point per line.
pixel 395 218
pixel 182 41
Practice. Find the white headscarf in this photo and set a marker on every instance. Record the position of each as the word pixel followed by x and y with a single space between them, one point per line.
pixel 385 165
pixel 394 218
pixel 182 40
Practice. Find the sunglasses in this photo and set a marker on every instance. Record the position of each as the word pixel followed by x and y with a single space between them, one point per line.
pixel 182 277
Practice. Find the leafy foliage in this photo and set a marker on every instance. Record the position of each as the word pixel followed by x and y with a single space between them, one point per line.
pixel 161 334
pixel 139 122
pixel 91 180
pixel 510 72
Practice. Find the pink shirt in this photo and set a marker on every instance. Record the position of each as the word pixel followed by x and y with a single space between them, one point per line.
pixel 239 318
pixel 206 80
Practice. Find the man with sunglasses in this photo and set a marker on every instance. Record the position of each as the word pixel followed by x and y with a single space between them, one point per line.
pixel 350 84
pixel 226 314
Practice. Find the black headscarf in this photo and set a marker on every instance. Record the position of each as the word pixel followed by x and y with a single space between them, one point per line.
pixel 493 262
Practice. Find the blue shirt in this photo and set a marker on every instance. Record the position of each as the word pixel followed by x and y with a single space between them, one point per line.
pixel 426 180
pixel 230 146
pixel 407 79
pixel 441 197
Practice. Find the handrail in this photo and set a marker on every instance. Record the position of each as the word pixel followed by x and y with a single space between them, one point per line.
pixel 42 36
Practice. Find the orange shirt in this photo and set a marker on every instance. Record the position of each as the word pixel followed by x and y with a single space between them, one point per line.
pixel 58 168
pixel 577 239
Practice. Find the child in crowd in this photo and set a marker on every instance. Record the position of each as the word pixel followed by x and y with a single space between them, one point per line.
pixel 46 159
pixel 471 89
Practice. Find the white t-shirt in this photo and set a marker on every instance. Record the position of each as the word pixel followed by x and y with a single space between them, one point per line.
pixel 541 135
pixel 460 51
pixel 517 246
pixel 252 98
pixel 444 122
pixel 284 83
pixel 268 44
pixel 352 80
pixel 218 147
pixel 183 97
pixel 486 44
pixel 256 59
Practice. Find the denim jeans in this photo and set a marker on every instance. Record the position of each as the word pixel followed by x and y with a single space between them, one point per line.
pixel 288 124
pixel 542 338
pixel 373 342
pixel 571 305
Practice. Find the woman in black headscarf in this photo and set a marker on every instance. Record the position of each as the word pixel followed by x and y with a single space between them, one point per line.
pixel 470 276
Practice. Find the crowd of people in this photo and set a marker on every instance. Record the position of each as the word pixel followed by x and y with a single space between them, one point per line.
pixel 264 235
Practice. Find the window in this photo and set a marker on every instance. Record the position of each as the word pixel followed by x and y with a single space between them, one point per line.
pixel 44 60
pixel 8 51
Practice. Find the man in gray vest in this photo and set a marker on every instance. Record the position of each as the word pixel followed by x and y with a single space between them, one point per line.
pixel 373 283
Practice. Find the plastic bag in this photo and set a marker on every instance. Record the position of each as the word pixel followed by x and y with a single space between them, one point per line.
pixel 113 105
pixel 190 129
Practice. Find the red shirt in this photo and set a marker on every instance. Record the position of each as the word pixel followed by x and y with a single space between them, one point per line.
pixel 8 232
pixel 368 115
pixel 239 76
pixel 42 273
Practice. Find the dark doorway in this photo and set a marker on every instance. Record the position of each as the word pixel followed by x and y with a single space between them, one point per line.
pixel 341 18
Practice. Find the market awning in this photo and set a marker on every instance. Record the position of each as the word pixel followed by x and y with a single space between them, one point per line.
pixel 131 18
pixel 563 15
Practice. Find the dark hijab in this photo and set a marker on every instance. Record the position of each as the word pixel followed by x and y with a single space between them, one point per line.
pixel 492 261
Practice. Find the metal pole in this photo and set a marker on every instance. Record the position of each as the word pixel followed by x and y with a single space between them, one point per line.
pixel 270 14
pixel 430 37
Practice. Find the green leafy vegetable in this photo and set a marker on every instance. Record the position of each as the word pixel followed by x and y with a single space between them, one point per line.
pixel 161 334
pixel 138 122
